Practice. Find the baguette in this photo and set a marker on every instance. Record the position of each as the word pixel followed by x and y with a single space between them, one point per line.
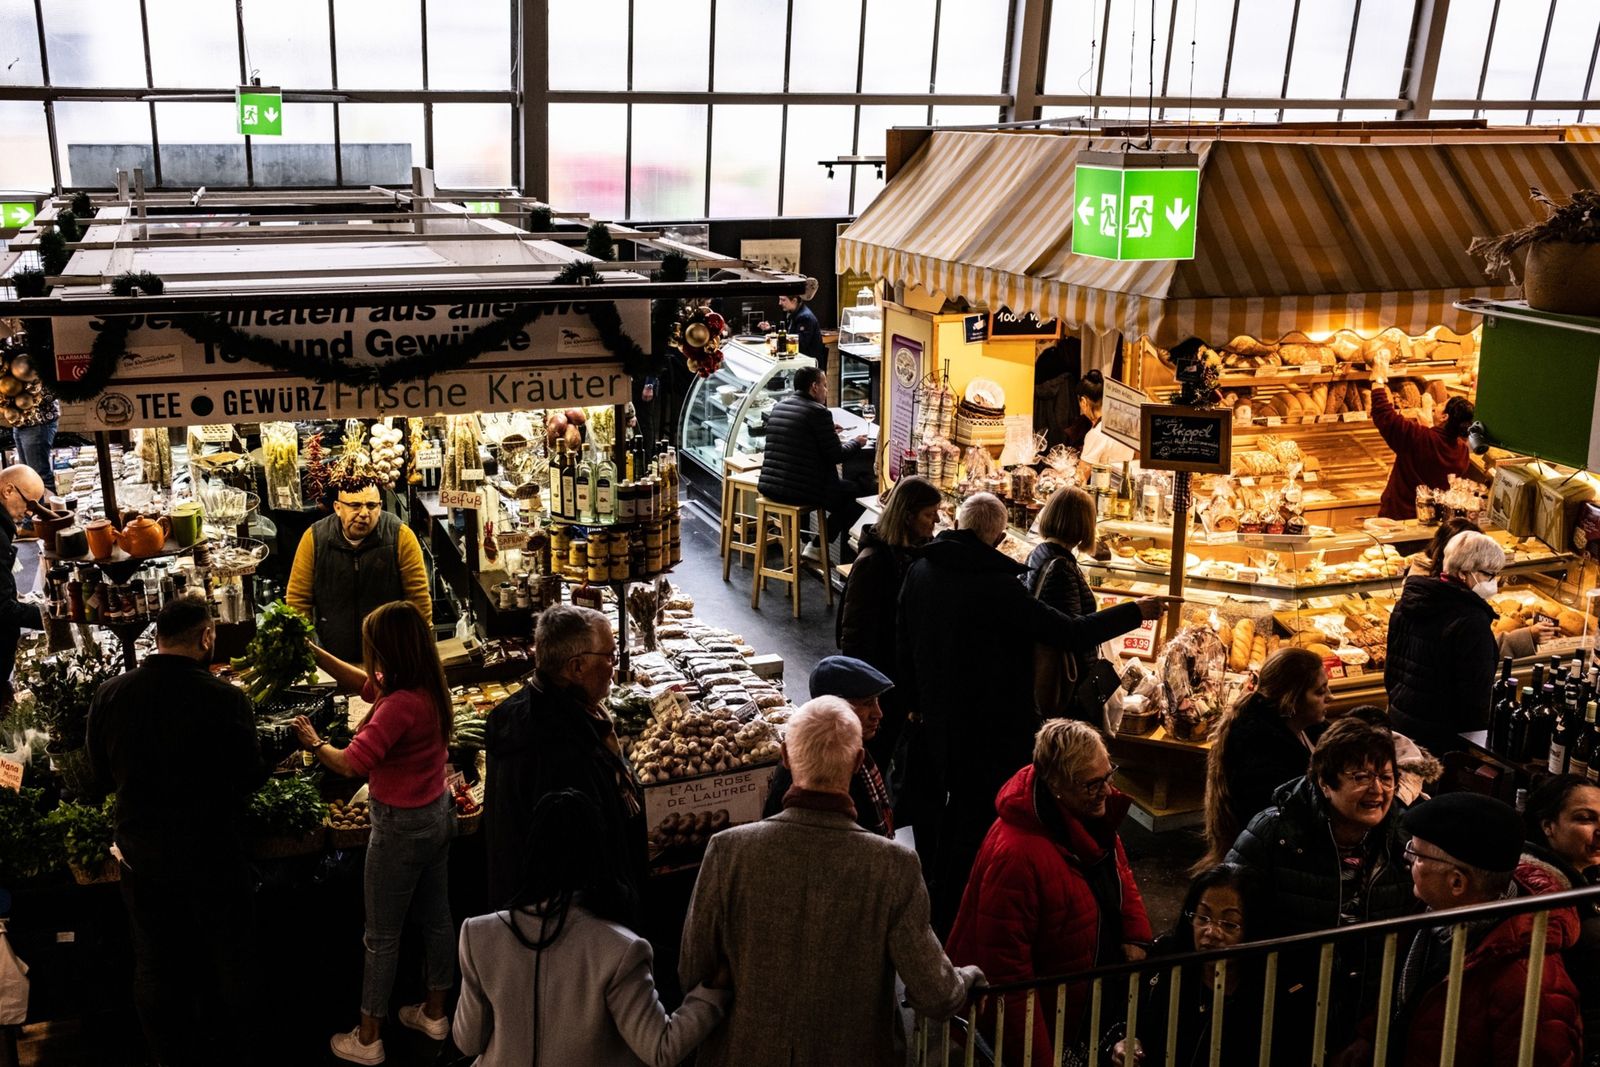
pixel 1244 635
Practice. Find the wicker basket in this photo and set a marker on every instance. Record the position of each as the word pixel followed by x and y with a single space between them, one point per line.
pixel 981 426
pixel 284 846
pixel 109 870
pixel 347 839
pixel 468 824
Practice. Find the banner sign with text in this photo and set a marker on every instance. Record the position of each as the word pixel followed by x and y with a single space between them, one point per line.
pixel 169 379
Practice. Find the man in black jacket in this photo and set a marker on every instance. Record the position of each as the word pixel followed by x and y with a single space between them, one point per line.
pixel 967 629
pixel 555 734
pixel 801 463
pixel 19 484
pixel 185 882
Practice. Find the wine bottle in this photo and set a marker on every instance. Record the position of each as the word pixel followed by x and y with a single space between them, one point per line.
pixel 1502 700
pixel 1573 694
pixel 1581 756
pixel 1562 731
pixel 1520 733
pixel 605 489
pixel 1544 723
pixel 569 486
pixel 583 481
pixel 1122 503
pixel 557 511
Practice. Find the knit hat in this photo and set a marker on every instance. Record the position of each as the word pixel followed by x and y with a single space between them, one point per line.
pixel 848 677
pixel 1471 828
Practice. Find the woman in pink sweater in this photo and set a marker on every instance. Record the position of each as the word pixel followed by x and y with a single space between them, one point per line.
pixel 400 747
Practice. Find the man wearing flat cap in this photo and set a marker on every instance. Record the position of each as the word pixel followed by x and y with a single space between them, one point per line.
pixel 859 684
pixel 1466 849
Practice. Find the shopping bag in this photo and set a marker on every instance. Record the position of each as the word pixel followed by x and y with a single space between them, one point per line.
pixel 13 984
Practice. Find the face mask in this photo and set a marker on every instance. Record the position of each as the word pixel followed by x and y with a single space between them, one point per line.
pixel 1487 589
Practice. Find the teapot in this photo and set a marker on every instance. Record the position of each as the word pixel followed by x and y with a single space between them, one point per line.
pixel 144 536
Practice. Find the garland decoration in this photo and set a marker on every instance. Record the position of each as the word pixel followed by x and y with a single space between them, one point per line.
pixel 83 205
pixel 580 273
pixel 598 242
pixel 130 283
pixel 674 267
pixel 29 283
pixel 698 335
pixel 541 219
pixel 53 252
pixel 67 224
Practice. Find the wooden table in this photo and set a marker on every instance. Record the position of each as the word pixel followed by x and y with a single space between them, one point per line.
pixel 1165 777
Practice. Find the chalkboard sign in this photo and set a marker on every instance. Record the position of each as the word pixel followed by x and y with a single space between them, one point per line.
pixel 1008 323
pixel 1175 438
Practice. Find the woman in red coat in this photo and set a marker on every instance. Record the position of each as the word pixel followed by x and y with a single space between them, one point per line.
pixel 1423 455
pixel 1051 892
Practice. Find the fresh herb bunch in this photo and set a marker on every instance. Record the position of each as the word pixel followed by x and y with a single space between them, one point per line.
pixel 29 845
pixel 1577 222
pixel 286 806
pixel 63 686
pixel 86 830
pixel 278 656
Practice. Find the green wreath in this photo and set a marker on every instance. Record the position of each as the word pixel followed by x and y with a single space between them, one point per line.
pixel 111 344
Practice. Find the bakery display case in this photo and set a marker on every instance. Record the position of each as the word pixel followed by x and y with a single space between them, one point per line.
pixel 725 415
pixel 860 359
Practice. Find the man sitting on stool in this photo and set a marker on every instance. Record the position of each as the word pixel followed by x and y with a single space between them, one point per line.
pixel 801 464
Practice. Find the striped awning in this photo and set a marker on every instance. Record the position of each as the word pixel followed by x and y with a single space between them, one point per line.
pixel 1306 238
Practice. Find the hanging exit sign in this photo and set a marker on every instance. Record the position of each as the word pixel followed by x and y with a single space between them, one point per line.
pixel 15 214
pixel 260 111
pixel 482 207
pixel 1135 213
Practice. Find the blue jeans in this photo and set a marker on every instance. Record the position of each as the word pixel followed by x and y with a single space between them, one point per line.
pixel 33 446
pixel 408 858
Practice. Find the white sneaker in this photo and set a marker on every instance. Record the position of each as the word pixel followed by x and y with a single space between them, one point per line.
pixel 812 552
pixel 412 1015
pixel 349 1047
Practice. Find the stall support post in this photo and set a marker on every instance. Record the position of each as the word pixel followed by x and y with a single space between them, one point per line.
pixel 622 630
pixel 108 481
pixel 1181 486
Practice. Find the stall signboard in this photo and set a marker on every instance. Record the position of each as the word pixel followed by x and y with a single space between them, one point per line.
pixel 1119 412
pixel 1018 325
pixel 169 379
pixel 977 328
pixel 15 214
pixel 1174 438
pixel 682 813
pixel 259 110
pixel 1136 213
pixel 465 500
pixel 905 371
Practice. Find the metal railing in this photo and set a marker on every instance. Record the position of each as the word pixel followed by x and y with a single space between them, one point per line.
pixel 945 1043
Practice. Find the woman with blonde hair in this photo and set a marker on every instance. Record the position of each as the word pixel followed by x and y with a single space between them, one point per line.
pixel 1261 743
pixel 867 611
pixel 400 748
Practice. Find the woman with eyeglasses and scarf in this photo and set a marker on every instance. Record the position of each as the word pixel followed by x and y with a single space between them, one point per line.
pixel 1052 892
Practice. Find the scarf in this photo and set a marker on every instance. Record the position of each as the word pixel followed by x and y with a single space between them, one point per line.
pixel 818 800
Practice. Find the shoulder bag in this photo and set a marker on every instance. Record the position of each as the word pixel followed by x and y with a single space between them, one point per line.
pixel 1062 690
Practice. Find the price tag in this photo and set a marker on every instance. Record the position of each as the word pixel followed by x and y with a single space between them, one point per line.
pixel 1327 418
pixel 429 458
pixel 1310 477
pixel 457 498
pixel 662 707
pixel 1309 368
pixel 750 710
pixel 215 435
pixel 472 474
pixel 1247 480
pixel 285 497
pixel 10 775
pixel 1274 420
pixel 1140 642
pixel 456 778
pixel 513 539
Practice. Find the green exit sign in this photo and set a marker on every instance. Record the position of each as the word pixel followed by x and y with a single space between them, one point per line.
pixel 482 207
pixel 260 111
pixel 15 214
pixel 1136 213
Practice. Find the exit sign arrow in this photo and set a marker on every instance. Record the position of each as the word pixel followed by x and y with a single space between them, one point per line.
pixel 16 215
pixel 1085 211
pixel 258 111
pixel 1177 214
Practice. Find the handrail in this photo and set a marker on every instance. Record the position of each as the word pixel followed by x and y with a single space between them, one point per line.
pixel 1316 938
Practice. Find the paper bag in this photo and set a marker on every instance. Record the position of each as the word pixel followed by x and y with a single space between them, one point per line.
pixel 1511 498
pixel 1557 504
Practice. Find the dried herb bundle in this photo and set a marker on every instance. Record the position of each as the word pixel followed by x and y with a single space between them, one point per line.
pixel 1577 222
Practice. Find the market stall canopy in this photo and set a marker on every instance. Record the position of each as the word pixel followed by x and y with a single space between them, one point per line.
pixel 1307 238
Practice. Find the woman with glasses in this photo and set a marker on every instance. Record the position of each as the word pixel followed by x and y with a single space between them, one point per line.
pixel 1331 852
pixel 1563 839
pixel 400 748
pixel 1052 892
pixel 1221 909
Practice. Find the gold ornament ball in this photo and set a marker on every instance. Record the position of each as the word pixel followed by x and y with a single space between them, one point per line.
pixel 697 334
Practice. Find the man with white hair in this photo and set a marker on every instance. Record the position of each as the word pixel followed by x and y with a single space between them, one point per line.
pixel 1439 670
pixel 814 917
pixel 967 631
pixel 20 485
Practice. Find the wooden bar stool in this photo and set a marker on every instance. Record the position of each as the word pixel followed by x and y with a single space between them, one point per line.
pixel 739 495
pixel 790 520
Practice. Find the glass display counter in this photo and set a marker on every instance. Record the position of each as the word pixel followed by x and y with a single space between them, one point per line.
pixel 725 415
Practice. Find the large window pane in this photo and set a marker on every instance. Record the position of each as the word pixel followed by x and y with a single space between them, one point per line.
pixel 380 143
pixel 193 46
pixel 745 139
pixel 1261 45
pixel 876 120
pixel 969 115
pixel 24 147
pixel 199 145
pixel 1321 38
pixel 669 161
pixel 583 56
pixel 1070 67
pixel 750 41
pixel 1199 49
pixel 379 43
pixel 1129 37
pixel 823 46
pixel 287 43
pixel 303 155
pixel 588 158
pixel 469 45
pixel 1518 34
pixel 97 139
pixel 1377 67
pixel 972 46
pixel 19 44
pixel 472 145
pixel 94 42
pixel 1466 33
pixel 1566 63
pixel 669 45
pixel 899 46
pixel 816 132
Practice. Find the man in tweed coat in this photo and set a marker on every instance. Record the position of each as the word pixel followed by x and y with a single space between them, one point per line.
pixel 814 917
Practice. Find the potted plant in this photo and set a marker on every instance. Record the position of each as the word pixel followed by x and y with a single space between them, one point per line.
pixel 1562 269
pixel 86 832
pixel 63 686
pixel 286 819
pixel 29 846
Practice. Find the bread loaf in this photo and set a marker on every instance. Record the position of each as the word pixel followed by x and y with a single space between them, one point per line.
pixel 1258 651
pixel 1244 635
pixel 1319 399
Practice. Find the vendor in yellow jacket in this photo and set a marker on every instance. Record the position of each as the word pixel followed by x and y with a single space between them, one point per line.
pixel 352 561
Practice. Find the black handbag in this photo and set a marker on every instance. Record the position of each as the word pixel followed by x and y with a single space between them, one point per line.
pixel 1062 688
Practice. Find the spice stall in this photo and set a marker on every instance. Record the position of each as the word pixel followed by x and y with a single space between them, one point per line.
pixel 1310 258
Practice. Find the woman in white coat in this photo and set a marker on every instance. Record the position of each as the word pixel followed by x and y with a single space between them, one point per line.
pixel 554 980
